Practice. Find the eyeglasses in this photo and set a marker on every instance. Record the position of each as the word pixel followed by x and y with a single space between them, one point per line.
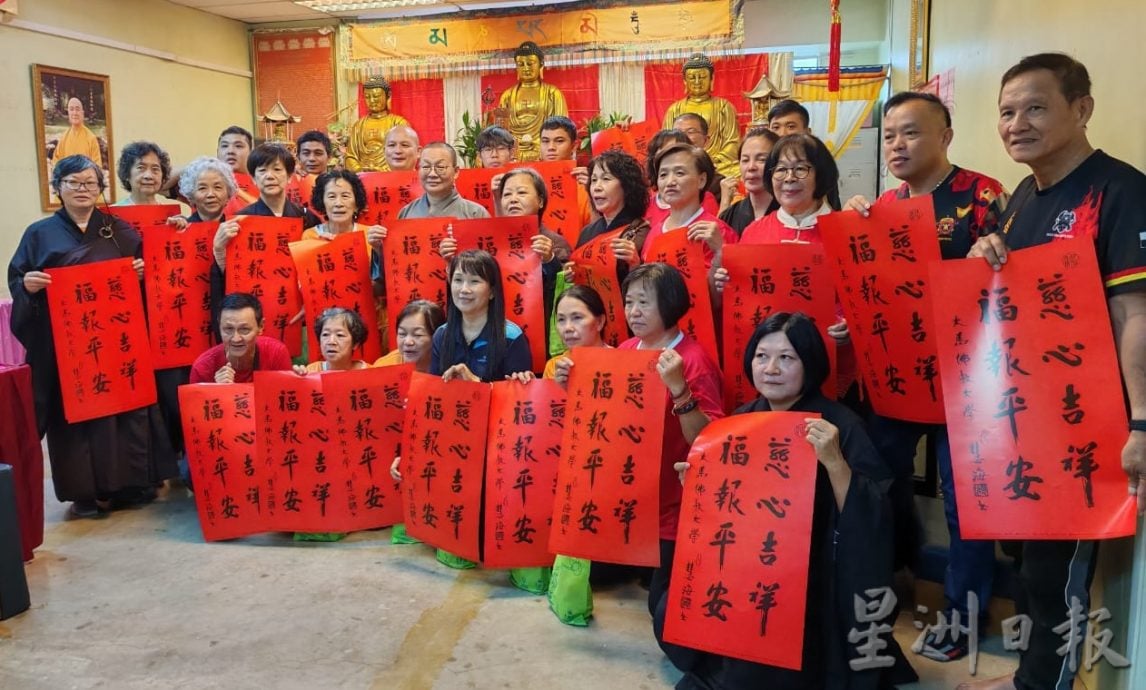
pixel 798 171
pixel 494 149
pixel 76 185
pixel 436 167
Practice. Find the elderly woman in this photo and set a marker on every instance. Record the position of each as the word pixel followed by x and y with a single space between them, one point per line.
pixel 851 550
pixel 209 185
pixel 417 323
pixel 754 150
pixel 144 170
pixel 118 457
pixel 339 332
pixel 658 208
pixel 800 175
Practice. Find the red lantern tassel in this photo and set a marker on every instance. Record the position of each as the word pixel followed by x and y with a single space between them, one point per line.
pixel 834 49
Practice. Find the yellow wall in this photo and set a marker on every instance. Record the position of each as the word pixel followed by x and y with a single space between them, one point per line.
pixel 980 39
pixel 182 108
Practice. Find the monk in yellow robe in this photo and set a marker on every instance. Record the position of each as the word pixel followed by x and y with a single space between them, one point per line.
pixel 723 132
pixel 366 147
pixel 78 139
pixel 530 101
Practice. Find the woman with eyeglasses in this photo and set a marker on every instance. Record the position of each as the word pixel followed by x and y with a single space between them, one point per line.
pixel 799 175
pixel 120 457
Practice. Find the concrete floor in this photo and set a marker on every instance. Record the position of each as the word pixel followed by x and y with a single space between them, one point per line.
pixel 137 600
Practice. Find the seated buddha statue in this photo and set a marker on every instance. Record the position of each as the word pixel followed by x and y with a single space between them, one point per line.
pixel 528 102
pixel 723 132
pixel 366 143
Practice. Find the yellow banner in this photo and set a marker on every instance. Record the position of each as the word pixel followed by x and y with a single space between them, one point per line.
pixel 8 6
pixel 618 26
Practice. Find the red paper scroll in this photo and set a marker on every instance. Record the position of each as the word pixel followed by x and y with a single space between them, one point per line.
pixel 608 481
pixel 1034 396
pixel 443 456
pixel 675 249
pixel 219 428
pixel 508 240
pixel 412 265
pixel 524 447
pixel 595 265
pixel 177 268
pixel 763 280
pixel 476 184
pixel 634 142
pixel 386 194
pixel 369 409
pixel 740 573
pixel 562 214
pixel 245 195
pixel 144 216
pixel 300 189
pixel 298 446
pixel 99 329
pixel 336 273
pixel 883 284
pixel 259 262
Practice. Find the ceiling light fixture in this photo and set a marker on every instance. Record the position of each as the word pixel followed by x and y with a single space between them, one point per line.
pixel 342 6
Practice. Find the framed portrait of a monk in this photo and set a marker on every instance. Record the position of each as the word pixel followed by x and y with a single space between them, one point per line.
pixel 73 116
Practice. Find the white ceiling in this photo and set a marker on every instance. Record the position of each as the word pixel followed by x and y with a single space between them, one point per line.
pixel 266 11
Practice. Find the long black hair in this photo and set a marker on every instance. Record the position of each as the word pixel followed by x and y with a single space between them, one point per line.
pixel 481 264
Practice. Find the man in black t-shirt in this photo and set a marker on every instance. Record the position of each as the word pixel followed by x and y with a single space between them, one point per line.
pixel 1074 190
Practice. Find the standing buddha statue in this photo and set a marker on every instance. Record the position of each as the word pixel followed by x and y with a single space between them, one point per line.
pixel 366 141
pixel 528 102
pixel 723 133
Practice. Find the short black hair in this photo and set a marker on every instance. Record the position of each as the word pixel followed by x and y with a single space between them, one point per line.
pixel 354 324
pixel 700 159
pixel 237 301
pixel 657 142
pixel 131 154
pixel 806 341
pixel 909 96
pixel 75 163
pixel 758 132
pixel 235 129
pixel 816 153
pixel 634 186
pixel 315 136
pixel 494 136
pixel 538 186
pixel 317 201
pixel 672 293
pixel 265 154
pixel 560 122
pixel 693 116
pixel 1072 76
pixel 788 107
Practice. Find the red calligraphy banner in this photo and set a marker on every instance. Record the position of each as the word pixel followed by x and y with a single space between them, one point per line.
pixel 633 141
pixel 99 329
pixel 1033 393
pixel 246 194
pixel 675 249
pixel 508 241
pixel 443 458
pixel 259 262
pixel 386 194
pixel 881 267
pixel 524 447
pixel 562 214
pixel 177 268
pixel 144 216
pixel 740 572
pixel 336 273
pixel 297 445
pixel 476 184
pixel 595 266
pixel 369 410
pixel 300 189
pixel 608 479
pixel 414 269
pixel 764 280
pixel 230 481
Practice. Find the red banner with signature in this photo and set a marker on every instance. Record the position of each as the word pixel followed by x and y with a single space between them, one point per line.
pixel 881 267
pixel 177 266
pixel 608 479
pixel 740 572
pixel 1034 399
pixel 675 249
pixel 259 262
pixel 99 328
pixel 336 273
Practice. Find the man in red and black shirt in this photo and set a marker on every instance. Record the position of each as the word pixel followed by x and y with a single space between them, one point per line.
pixel 916 134
pixel 1073 191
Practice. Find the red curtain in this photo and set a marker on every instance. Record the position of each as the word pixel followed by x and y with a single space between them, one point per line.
pixel 733 77
pixel 579 84
pixel 422 102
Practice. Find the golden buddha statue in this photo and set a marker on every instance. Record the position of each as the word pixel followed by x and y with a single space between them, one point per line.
pixel 366 141
pixel 530 101
pixel 723 132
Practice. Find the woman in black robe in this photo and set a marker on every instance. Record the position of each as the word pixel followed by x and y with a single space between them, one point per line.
pixel 851 549
pixel 118 457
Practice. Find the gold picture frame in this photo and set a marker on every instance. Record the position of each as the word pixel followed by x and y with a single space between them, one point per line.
pixel 918 42
pixel 53 91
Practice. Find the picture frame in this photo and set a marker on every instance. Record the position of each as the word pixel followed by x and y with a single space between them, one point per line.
pixel 918 43
pixel 64 129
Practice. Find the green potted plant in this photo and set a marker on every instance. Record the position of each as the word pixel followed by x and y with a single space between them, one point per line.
pixel 465 140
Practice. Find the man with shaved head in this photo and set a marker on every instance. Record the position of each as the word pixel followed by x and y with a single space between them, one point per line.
pixel 402 148
pixel 78 139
